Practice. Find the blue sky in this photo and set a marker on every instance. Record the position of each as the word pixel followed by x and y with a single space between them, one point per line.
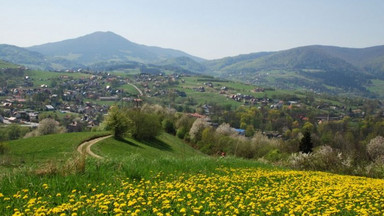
pixel 205 28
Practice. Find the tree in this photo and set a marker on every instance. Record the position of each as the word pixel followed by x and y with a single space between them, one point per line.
pixel 118 122
pixel 145 126
pixel 306 144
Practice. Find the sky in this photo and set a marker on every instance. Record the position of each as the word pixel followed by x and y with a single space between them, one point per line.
pixel 209 29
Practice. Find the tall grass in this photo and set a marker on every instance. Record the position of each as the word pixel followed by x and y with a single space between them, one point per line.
pixel 77 174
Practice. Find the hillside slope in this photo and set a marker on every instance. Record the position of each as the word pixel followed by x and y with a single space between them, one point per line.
pixel 164 145
pixel 320 68
pixel 35 151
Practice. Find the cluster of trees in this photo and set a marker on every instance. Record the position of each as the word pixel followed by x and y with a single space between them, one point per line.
pixel 46 126
pixel 140 124
pixel 13 132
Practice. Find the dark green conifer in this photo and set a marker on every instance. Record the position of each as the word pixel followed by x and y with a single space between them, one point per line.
pixel 306 144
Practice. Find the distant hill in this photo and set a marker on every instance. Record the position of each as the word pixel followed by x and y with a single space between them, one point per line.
pixel 185 63
pixel 106 46
pixel 22 56
pixel 5 64
pixel 320 68
pixel 317 68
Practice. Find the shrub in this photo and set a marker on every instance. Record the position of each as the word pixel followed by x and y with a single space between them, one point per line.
pixel 181 132
pixel 226 129
pixel 274 155
pixel 324 158
pixel 3 148
pixel 47 126
pixel 375 169
pixel 185 121
pixel 15 132
pixel 168 126
pixel 301 161
pixel 197 129
pixel 375 148
pixel 208 141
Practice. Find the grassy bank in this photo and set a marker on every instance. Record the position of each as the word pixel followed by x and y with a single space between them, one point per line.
pixel 36 151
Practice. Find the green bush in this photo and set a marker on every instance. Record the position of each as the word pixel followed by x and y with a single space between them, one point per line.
pixel 181 132
pixel 3 148
pixel 274 155
pixel 168 126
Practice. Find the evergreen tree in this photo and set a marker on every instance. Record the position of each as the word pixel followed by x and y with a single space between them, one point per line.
pixel 306 144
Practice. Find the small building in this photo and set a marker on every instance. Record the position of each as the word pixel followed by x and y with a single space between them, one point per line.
pixel 113 98
pixel 240 131
pixel 49 107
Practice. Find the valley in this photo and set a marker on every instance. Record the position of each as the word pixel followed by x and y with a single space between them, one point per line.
pixel 100 125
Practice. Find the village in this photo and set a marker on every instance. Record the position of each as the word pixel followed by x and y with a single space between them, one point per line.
pixel 83 101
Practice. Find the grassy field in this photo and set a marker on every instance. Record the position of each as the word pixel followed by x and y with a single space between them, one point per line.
pixel 377 87
pixel 166 177
pixel 45 77
pixel 130 89
pixel 35 151
pixel 194 186
pixel 4 64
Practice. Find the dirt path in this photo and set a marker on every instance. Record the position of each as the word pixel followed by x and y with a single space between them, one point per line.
pixel 85 147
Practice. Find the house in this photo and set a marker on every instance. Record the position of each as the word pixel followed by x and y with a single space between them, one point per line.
pixel 33 116
pixel 113 98
pixel 13 119
pixel 49 107
pixel 137 102
pixel 278 105
pixel 240 131
pixel 197 115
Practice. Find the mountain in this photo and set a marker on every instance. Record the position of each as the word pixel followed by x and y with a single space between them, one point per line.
pixel 104 47
pixel 320 68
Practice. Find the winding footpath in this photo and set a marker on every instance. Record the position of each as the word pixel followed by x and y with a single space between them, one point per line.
pixel 85 147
